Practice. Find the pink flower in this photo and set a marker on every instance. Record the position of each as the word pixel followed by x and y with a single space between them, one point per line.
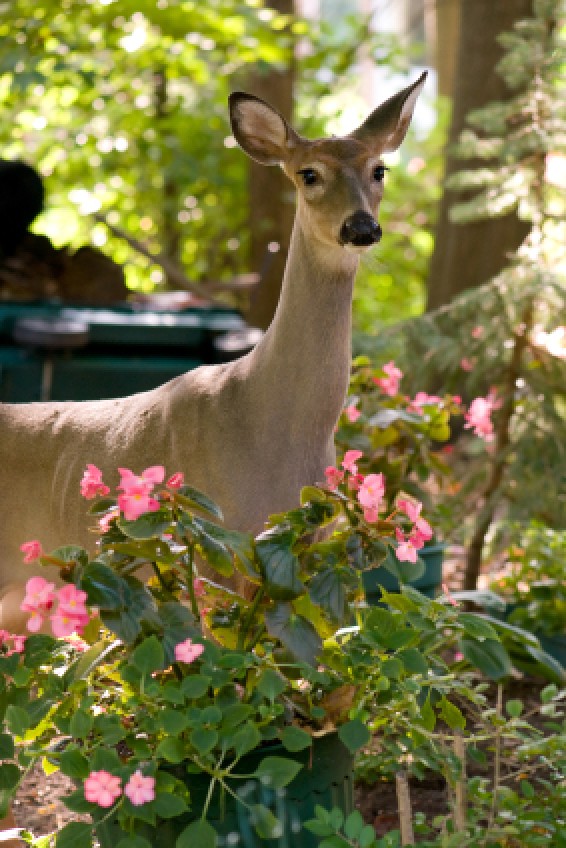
pixel 478 417
pixel 72 600
pixel 352 413
pixel 389 385
pixel 130 482
pixel 405 550
pixel 188 651
pixel 106 520
pixel 139 789
pixel 72 615
pixel 355 481
pixel 13 643
pixel 422 399
pixel 467 364
pixel 102 788
pixel 176 480
pixel 477 332
pixel 198 587
pixel 32 550
pixel 350 459
pixel 91 484
pixel 370 496
pixel 135 503
pixel 38 601
pixel 333 477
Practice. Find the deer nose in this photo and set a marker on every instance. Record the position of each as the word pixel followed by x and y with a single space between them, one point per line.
pixel 360 229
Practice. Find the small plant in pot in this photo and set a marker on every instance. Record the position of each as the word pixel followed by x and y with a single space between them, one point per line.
pixel 174 738
pixel 401 437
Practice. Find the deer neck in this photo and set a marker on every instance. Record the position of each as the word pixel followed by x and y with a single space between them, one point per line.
pixel 302 365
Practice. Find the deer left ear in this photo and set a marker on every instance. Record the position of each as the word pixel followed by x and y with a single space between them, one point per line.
pixel 387 125
pixel 260 130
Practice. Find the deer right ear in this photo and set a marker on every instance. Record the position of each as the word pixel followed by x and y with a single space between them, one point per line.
pixel 260 130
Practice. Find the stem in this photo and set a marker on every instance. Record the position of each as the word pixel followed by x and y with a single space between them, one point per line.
pixel 405 809
pixel 460 801
pixel 502 444
pixel 497 760
pixel 247 622
pixel 190 582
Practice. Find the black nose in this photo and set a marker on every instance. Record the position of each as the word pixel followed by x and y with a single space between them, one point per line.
pixel 360 229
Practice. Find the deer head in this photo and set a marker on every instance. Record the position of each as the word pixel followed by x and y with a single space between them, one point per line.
pixel 339 181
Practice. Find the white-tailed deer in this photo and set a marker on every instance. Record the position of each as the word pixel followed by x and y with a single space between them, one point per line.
pixel 249 433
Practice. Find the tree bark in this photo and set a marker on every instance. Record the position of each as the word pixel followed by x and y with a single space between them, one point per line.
pixel 270 197
pixel 467 255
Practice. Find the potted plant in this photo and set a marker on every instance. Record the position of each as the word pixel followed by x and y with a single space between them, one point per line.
pixel 401 438
pixel 175 738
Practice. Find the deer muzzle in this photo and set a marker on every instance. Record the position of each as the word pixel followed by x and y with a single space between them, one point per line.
pixel 360 230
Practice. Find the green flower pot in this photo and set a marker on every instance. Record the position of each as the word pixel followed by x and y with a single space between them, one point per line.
pixel 326 779
pixel 429 583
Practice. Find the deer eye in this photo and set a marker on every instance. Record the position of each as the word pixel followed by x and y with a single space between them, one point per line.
pixel 379 173
pixel 310 177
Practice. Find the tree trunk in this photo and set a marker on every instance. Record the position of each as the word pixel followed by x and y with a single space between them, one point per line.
pixel 467 255
pixel 270 196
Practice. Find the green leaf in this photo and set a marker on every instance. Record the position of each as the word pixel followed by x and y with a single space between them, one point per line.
pixel 104 587
pixel 134 842
pixel 295 739
pixel 172 750
pixel 428 716
pixel 276 772
pixel 241 544
pixel 70 555
pixel 150 525
pixel 195 686
pixel 193 499
pixel 476 626
pixel 327 590
pixel 514 708
pixel 295 632
pixel 280 565
pixel 6 747
pixel 9 776
pixel 245 739
pixel 489 656
pixel 392 668
pixel 414 661
pixel 353 825
pixel 126 623
pixel 149 656
pixel 199 833
pixel 17 719
pixel 81 724
pixel 81 669
pixel 172 721
pixel 451 714
pixel 178 624
pixel 267 826
pixel 354 734
pixel 271 684
pixel 169 806
pixel 204 739
pixel 74 764
pixel 74 835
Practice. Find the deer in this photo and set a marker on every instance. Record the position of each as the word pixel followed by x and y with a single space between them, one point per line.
pixel 252 432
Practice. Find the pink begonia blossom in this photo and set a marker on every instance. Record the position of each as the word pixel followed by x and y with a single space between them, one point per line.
pixel 91 484
pixel 130 482
pixel 355 481
pixel 467 364
pixel 198 588
pixel 478 416
pixel 102 788
pixel 333 477
pixel 106 520
pixel 405 550
pixel 350 459
pixel 135 503
pixel 422 531
pixel 188 651
pixel 422 399
pixel 38 600
pixel 32 550
pixel 12 643
pixel 370 496
pixel 352 413
pixel 140 789
pixel 389 385
pixel 176 480
pixel 477 332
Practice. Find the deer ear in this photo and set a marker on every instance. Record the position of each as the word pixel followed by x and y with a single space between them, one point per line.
pixel 387 125
pixel 260 130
